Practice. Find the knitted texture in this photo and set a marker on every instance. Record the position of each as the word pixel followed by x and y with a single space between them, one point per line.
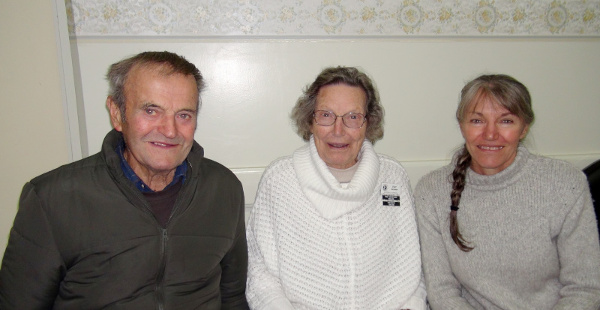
pixel 534 235
pixel 315 245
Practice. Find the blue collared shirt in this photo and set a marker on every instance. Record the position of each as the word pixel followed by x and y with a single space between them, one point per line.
pixel 180 172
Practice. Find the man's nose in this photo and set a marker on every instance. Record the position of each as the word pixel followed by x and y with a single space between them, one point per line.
pixel 168 127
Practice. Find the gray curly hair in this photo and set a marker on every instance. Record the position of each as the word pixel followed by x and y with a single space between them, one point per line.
pixel 303 111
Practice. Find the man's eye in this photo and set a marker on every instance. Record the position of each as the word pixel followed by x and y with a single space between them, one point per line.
pixel 150 111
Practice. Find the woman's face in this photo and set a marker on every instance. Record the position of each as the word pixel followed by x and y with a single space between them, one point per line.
pixel 338 145
pixel 492 135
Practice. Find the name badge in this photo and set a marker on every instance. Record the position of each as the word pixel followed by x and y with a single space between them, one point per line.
pixel 390 194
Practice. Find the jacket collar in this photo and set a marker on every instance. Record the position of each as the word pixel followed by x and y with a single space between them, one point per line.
pixel 113 160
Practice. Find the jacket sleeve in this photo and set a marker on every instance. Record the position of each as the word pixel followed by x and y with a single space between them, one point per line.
pixel 579 254
pixel 32 267
pixel 443 289
pixel 264 290
pixel 235 266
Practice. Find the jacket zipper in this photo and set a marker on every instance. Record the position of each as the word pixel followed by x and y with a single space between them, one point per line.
pixel 160 277
pixel 160 285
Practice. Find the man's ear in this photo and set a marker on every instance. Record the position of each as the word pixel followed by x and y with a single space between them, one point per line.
pixel 115 114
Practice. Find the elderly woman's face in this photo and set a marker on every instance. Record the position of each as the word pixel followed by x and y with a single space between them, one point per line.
pixel 492 135
pixel 338 145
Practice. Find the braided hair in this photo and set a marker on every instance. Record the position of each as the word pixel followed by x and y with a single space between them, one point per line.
pixel 459 176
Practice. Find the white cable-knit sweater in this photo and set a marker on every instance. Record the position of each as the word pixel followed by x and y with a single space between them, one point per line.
pixel 315 244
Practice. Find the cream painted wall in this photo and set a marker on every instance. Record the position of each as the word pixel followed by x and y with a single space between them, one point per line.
pixel 253 84
pixel 32 125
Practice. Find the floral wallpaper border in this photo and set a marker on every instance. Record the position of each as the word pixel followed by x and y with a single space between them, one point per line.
pixel 333 18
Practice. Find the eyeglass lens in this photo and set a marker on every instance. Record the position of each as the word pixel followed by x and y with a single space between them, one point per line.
pixel 351 119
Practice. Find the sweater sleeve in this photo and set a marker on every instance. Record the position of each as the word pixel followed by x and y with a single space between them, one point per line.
pixel 32 267
pixel 234 266
pixel 443 289
pixel 418 300
pixel 579 254
pixel 264 290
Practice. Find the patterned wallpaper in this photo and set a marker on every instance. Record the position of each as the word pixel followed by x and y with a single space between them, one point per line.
pixel 333 18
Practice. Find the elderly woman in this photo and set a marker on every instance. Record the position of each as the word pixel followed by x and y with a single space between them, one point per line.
pixel 333 225
pixel 502 228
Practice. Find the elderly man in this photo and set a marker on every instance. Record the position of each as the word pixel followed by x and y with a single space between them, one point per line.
pixel 147 223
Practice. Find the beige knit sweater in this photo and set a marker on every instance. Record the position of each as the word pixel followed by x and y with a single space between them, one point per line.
pixel 534 234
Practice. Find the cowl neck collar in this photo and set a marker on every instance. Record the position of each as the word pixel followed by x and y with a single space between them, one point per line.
pixel 328 196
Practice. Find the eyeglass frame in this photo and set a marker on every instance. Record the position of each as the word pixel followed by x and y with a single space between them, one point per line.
pixel 342 116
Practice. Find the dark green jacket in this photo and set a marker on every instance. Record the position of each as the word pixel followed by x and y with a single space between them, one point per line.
pixel 84 238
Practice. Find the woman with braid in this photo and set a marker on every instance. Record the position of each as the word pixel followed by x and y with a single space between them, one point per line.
pixel 501 228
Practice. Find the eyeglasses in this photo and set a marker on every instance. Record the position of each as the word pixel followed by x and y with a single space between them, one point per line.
pixel 350 119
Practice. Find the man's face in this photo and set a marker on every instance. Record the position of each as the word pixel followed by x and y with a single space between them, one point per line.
pixel 160 120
